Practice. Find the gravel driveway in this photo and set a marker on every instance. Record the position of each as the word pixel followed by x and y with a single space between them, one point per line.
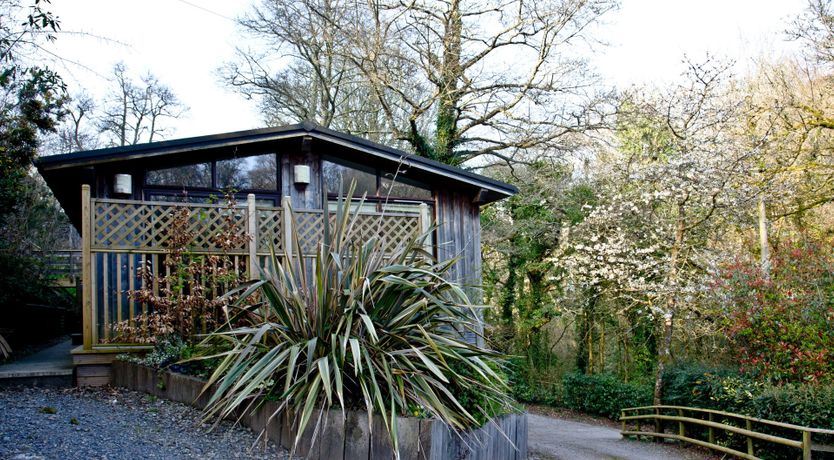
pixel 552 438
pixel 37 423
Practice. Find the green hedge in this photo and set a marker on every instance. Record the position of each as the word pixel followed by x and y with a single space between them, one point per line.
pixel 602 394
pixel 726 390
pixel 684 385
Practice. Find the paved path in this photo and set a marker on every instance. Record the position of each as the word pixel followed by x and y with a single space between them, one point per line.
pixel 552 438
pixel 50 362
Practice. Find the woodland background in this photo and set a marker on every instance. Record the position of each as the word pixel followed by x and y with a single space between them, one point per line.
pixel 668 243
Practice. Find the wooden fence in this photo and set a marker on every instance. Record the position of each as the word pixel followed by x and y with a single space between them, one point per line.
pixel 62 267
pixel 119 237
pixel 713 424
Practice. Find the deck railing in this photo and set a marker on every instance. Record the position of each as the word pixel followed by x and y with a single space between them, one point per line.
pixel 713 424
pixel 121 236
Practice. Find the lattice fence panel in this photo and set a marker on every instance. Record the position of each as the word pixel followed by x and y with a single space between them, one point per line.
pixel 390 230
pixel 270 230
pixel 310 228
pixel 147 225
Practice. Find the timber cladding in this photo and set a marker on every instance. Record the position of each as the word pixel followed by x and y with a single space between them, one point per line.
pixel 350 436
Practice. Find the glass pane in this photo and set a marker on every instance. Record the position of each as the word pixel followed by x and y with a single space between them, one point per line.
pixel 248 173
pixel 404 208
pixel 402 188
pixel 198 175
pixel 179 198
pixel 337 177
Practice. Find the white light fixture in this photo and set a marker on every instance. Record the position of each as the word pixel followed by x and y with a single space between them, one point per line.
pixel 123 184
pixel 301 174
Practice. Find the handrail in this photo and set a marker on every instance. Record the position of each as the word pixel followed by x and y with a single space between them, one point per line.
pixel 741 416
pixel 656 414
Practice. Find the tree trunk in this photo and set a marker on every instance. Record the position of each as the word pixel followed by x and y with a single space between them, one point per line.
pixel 584 332
pixel 664 350
pixel 450 73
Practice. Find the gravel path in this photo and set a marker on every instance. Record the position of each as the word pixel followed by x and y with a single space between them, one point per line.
pixel 37 423
pixel 552 438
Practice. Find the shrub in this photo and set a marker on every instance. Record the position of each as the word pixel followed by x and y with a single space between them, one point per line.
pixel 700 386
pixel 531 388
pixel 806 405
pixel 603 394
pixel 726 390
pixel 167 350
pixel 782 324
pixel 360 329
pixel 185 304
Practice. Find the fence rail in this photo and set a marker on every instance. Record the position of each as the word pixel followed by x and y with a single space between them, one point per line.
pixel 685 418
pixel 62 267
pixel 120 237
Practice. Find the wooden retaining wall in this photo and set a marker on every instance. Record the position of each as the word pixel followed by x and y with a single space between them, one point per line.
pixel 347 437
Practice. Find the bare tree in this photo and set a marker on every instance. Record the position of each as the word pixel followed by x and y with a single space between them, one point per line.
pixel 453 79
pixel 815 27
pixel 315 81
pixel 78 130
pixel 132 113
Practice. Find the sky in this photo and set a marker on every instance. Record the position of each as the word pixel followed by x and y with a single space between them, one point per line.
pixel 184 42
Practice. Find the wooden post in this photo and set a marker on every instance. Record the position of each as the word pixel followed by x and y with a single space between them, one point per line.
pixel 425 225
pixel 639 428
pixel 711 435
pixel 749 425
pixel 622 419
pixel 681 427
pixel 252 231
pixel 286 210
pixel 658 425
pixel 87 315
pixel 806 445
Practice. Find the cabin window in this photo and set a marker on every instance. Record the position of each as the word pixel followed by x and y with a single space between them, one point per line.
pixel 258 172
pixel 400 187
pixel 204 197
pixel 207 182
pixel 197 175
pixel 338 177
pixel 374 183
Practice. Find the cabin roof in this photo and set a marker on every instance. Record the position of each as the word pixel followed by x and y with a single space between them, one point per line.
pixel 65 173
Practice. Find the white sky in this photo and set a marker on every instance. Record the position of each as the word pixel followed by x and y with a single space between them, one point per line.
pixel 183 42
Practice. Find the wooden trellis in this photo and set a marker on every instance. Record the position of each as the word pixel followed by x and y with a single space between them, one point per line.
pixel 120 236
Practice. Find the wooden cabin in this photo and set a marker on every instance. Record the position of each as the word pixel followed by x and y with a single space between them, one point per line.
pixel 121 200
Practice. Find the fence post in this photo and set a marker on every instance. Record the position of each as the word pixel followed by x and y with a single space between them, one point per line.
pixel 806 445
pixel 622 419
pixel 86 268
pixel 749 425
pixel 286 211
pixel 425 225
pixel 639 428
pixel 658 425
pixel 681 427
pixel 711 435
pixel 254 238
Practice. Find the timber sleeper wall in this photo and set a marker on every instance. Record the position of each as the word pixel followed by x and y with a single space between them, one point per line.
pixel 347 437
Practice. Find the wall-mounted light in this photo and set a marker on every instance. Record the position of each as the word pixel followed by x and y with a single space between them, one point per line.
pixel 123 184
pixel 301 174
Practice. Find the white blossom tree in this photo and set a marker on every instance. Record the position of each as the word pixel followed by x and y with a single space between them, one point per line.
pixel 676 174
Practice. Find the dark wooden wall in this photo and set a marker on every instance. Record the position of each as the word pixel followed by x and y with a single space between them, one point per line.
pixel 459 236
pixel 303 196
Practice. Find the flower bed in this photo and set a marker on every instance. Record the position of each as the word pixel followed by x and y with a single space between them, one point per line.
pixel 347 437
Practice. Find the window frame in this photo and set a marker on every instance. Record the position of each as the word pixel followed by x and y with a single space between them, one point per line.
pixel 207 192
pixel 379 173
